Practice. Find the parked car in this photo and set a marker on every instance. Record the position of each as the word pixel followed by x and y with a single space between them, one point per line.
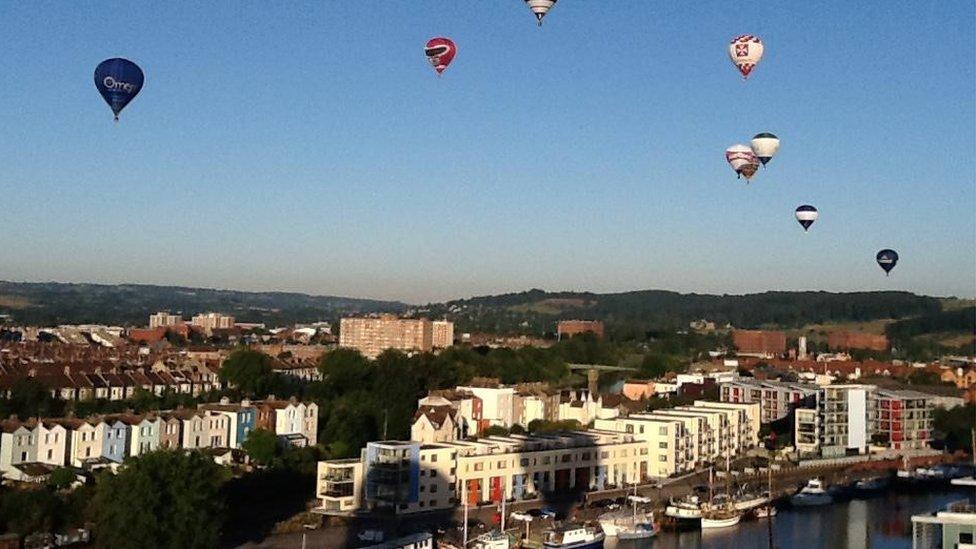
pixel 371 535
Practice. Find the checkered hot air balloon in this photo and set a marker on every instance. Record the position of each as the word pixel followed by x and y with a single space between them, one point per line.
pixel 806 215
pixel 745 51
pixel 765 145
pixel 440 52
pixel 743 160
pixel 540 8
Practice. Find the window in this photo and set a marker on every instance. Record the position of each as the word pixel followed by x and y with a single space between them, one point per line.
pixel 423 488
pixel 643 451
pixel 500 465
pixel 965 537
pixel 642 429
pixel 433 473
pixel 663 457
pixel 479 466
pixel 433 458
pixel 433 489
pixel 662 445
pixel 604 455
pixel 662 430
pixel 566 458
pixel 524 462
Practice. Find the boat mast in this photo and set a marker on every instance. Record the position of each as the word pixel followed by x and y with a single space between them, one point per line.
pixel 464 496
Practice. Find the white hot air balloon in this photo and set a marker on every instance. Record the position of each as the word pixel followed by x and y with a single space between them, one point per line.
pixel 745 51
pixel 743 160
pixel 765 145
pixel 540 8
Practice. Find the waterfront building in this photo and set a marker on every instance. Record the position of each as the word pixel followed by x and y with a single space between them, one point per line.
pixel 842 421
pixel 904 419
pixel 777 400
pixel 951 528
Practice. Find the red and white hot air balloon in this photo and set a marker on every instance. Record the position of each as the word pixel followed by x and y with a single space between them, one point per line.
pixel 440 52
pixel 745 52
pixel 743 160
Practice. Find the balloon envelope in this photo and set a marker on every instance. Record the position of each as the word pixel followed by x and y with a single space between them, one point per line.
pixel 742 160
pixel 119 81
pixel 540 8
pixel 765 145
pixel 806 215
pixel 887 259
pixel 440 52
pixel 745 51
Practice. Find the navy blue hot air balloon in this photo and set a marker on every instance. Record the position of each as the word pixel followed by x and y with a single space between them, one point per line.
pixel 119 81
pixel 887 259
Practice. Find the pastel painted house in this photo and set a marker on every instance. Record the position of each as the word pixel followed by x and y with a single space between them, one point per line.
pixel 144 434
pixel 18 446
pixel 86 442
pixel 241 419
pixel 52 443
pixel 115 439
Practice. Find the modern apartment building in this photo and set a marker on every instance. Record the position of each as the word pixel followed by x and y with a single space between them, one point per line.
pixel 842 421
pixel 164 320
pixel 776 399
pixel 904 419
pixel 373 335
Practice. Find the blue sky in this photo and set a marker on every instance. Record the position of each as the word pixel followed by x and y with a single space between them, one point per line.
pixel 309 147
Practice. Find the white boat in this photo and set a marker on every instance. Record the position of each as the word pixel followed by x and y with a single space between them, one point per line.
pixel 812 494
pixel 492 540
pixel 684 509
pixel 765 511
pixel 747 502
pixel 639 531
pixel 574 536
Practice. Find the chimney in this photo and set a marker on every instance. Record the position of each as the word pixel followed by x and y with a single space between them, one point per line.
pixel 224 400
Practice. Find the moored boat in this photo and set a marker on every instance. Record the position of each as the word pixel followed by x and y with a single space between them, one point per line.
pixel 765 511
pixel 495 539
pixel 812 494
pixel 685 509
pixel 871 485
pixel 627 524
pixel 720 518
pixel 574 536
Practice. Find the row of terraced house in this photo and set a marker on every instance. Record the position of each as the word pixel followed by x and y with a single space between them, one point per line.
pixel 78 382
pixel 32 449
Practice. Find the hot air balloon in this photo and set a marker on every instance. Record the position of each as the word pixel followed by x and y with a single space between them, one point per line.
pixel 440 52
pixel 540 8
pixel 765 145
pixel 745 51
pixel 887 259
pixel 742 160
pixel 806 215
pixel 119 81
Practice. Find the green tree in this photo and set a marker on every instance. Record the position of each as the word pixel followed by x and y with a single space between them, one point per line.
pixel 261 446
pixel 161 499
pixel 249 371
pixel 30 398
pixel 955 426
pixel 61 478
pixel 494 430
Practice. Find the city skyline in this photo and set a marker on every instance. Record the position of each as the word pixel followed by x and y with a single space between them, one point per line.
pixel 560 158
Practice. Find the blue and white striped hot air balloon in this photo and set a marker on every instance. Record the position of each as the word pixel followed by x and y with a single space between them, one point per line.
pixel 806 215
pixel 765 145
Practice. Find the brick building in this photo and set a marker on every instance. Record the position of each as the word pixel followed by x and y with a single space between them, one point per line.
pixel 569 328
pixel 759 342
pixel 857 340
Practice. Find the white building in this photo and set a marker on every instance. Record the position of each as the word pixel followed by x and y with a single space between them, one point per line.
pixel 497 403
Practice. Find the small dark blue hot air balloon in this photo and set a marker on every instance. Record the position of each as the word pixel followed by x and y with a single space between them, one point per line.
pixel 887 259
pixel 119 81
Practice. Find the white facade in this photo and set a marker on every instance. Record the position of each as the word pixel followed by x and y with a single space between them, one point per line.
pixel 52 443
pixel 497 404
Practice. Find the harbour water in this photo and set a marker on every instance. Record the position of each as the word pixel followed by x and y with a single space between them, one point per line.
pixel 883 521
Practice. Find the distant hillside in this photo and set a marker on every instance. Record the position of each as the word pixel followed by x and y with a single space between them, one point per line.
pixel 536 311
pixel 49 303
